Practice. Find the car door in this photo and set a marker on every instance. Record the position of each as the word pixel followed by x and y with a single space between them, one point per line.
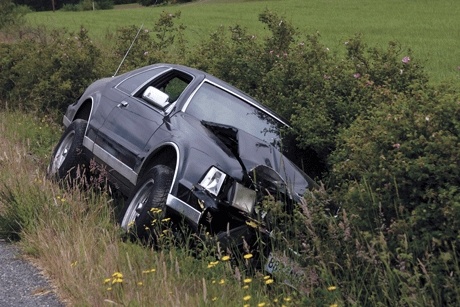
pixel 122 138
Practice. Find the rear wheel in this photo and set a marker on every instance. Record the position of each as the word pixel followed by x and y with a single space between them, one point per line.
pixel 147 204
pixel 68 154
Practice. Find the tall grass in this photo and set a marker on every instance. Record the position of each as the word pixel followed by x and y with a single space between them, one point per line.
pixel 73 236
pixel 429 28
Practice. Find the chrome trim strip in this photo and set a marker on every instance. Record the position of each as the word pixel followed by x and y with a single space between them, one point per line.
pixel 66 121
pixel 88 143
pixel 183 208
pixel 111 161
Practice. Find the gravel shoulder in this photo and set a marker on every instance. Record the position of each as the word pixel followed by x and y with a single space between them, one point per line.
pixel 22 284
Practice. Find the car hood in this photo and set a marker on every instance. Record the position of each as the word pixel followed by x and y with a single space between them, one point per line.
pixel 264 164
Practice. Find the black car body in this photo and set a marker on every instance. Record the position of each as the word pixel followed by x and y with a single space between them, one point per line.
pixel 211 150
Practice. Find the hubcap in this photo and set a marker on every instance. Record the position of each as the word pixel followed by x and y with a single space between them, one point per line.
pixel 61 152
pixel 136 205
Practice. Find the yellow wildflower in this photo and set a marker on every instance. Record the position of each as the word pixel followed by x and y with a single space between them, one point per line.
pixel 222 281
pixel 269 281
pixel 267 277
pixel 287 299
pixel 245 287
pixel 107 280
pixel 331 288
pixel 247 256
pixel 225 258
pixel 247 280
pixel 166 219
pixel 117 281
pixel 117 275
pixel 109 289
pixel 214 299
pixel 140 283
pixel 247 298
pixel 212 264
pixel 334 305
pixel 261 304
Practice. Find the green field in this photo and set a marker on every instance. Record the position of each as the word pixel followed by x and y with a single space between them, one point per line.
pixel 430 28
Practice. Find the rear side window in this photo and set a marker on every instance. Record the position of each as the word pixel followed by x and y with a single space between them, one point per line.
pixel 132 83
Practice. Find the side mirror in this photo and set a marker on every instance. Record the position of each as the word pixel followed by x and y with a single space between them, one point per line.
pixel 156 97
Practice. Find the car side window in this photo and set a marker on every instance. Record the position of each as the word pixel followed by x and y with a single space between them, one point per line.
pixel 172 83
pixel 174 87
pixel 132 83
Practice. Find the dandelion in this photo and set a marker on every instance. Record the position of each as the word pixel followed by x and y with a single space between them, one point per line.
pixel 245 287
pixel 212 264
pixel 261 304
pixel 117 275
pixel 247 256
pixel 225 258
pixel 266 277
pixel 331 288
pixel 269 281
pixel 246 298
pixel 107 280
pixel 117 281
pixel 247 280
pixel 405 60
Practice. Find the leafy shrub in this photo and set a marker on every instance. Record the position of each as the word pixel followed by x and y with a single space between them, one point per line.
pixel 71 7
pixel 11 14
pixel 104 4
pixel 48 76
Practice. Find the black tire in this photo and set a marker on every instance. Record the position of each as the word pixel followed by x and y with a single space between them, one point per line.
pixel 68 154
pixel 150 192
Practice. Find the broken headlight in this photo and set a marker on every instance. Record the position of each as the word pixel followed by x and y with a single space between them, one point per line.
pixel 213 180
pixel 242 198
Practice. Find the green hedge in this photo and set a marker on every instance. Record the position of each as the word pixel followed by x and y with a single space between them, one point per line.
pixel 367 122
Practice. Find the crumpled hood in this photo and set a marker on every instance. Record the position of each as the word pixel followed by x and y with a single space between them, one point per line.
pixel 267 162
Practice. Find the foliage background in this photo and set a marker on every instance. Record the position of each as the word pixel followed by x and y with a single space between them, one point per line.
pixel 368 123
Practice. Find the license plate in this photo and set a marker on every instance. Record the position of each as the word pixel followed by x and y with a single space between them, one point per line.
pixel 281 266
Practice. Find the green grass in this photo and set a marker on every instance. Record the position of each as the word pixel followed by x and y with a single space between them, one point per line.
pixel 430 28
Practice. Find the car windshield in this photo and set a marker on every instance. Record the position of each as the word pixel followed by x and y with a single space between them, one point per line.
pixel 212 104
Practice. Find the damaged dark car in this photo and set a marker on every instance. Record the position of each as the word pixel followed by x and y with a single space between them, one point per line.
pixel 180 140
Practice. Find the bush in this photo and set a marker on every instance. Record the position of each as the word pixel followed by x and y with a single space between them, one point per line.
pixel 47 77
pixel 11 14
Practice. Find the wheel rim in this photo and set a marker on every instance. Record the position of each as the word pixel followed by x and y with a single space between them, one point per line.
pixel 137 204
pixel 62 152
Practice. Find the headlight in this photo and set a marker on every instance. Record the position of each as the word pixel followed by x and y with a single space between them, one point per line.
pixel 243 198
pixel 213 181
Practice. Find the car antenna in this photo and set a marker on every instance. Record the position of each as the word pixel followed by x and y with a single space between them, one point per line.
pixel 129 49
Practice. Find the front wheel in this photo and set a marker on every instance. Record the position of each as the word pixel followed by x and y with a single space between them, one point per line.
pixel 147 204
pixel 68 154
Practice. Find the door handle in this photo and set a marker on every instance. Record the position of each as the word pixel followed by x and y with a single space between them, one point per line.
pixel 122 104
